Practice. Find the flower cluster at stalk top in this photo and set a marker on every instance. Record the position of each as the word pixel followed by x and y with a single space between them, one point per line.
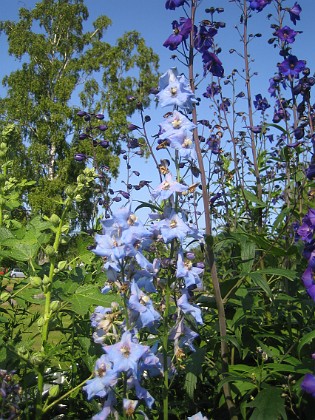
pixel 202 39
pixel 176 131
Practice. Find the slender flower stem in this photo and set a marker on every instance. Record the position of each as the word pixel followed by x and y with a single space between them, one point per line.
pixel 165 353
pixel 47 316
pixel 250 112
pixel 209 249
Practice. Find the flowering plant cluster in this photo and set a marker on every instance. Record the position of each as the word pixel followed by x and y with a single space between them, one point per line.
pixel 180 295
pixel 157 295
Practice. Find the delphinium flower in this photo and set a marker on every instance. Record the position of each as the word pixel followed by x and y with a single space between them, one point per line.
pixel 167 188
pixel 308 384
pixel 172 226
pixel 188 272
pixel 121 238
pixel 182 335
pixel 204 37
pixel 286 34
pixel 181 31
pixel 182 140
pixel 258 5
pixel 172 4
pixel 212 64
pixel 141 307
pixel 306 232
pixel 175 90
pixel 197 416
pixel 260 103
pixel 105 377
pixel 294 12
pixel 129 406
pixel 188 308
pixel 212 90
pixel 291 66
pixel 175 121
pixel 125 354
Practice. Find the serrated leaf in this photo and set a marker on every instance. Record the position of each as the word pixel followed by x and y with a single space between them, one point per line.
pixel 190 384
pixel 269 405
pixel 88 296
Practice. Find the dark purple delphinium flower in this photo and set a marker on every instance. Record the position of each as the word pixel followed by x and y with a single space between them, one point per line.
pixel 212 64
pixel 291 66
pixel 204 38
pixel 172 4
pixel 225 104
pixel 260 103
pixel 286 34
pixel 258 5
pixel 80 157
pixel 295 12
pixel 308 384
pixel 306 230
pixel 310 173
pixel 180 33
pixel 298 133
pixel 214 144
pixel 212 90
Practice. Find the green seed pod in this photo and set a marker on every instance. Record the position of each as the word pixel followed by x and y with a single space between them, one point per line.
pixel 54 391
pixel 55 220
pixel 35 281
pixel 46 280
pixel 54 305
pixel 50 251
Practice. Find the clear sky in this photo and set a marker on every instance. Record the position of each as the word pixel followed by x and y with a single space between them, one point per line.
pixel 153 21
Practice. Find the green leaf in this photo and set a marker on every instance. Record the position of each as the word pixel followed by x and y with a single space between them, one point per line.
pixel 87 296
pixel 259 280
pixel 306 339
pixel 280 272
pixel 268 405
pixel 253 198
pixel 190 384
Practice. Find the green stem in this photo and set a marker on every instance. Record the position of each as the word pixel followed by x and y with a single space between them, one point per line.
pixel 165 353
pixel 47 315
pixel 48 407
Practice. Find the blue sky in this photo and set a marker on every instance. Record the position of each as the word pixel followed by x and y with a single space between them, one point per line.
pixel 153 21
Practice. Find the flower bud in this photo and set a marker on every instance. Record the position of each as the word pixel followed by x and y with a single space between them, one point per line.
pixel 54 391
pixel 35 281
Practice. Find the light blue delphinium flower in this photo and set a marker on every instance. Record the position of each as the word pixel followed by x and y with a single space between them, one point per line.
pixel 142 309
pixel 188 272
pixel 182 335
pixel 188 308
pixel 130 406
pixel 108 407
pixel 182 140
pixel 105 378
pixel 167 188
pixel 175 121
pixel 141 392
pixel 197 416
pixel 175 90
pixel 173 227
pixel 126 353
